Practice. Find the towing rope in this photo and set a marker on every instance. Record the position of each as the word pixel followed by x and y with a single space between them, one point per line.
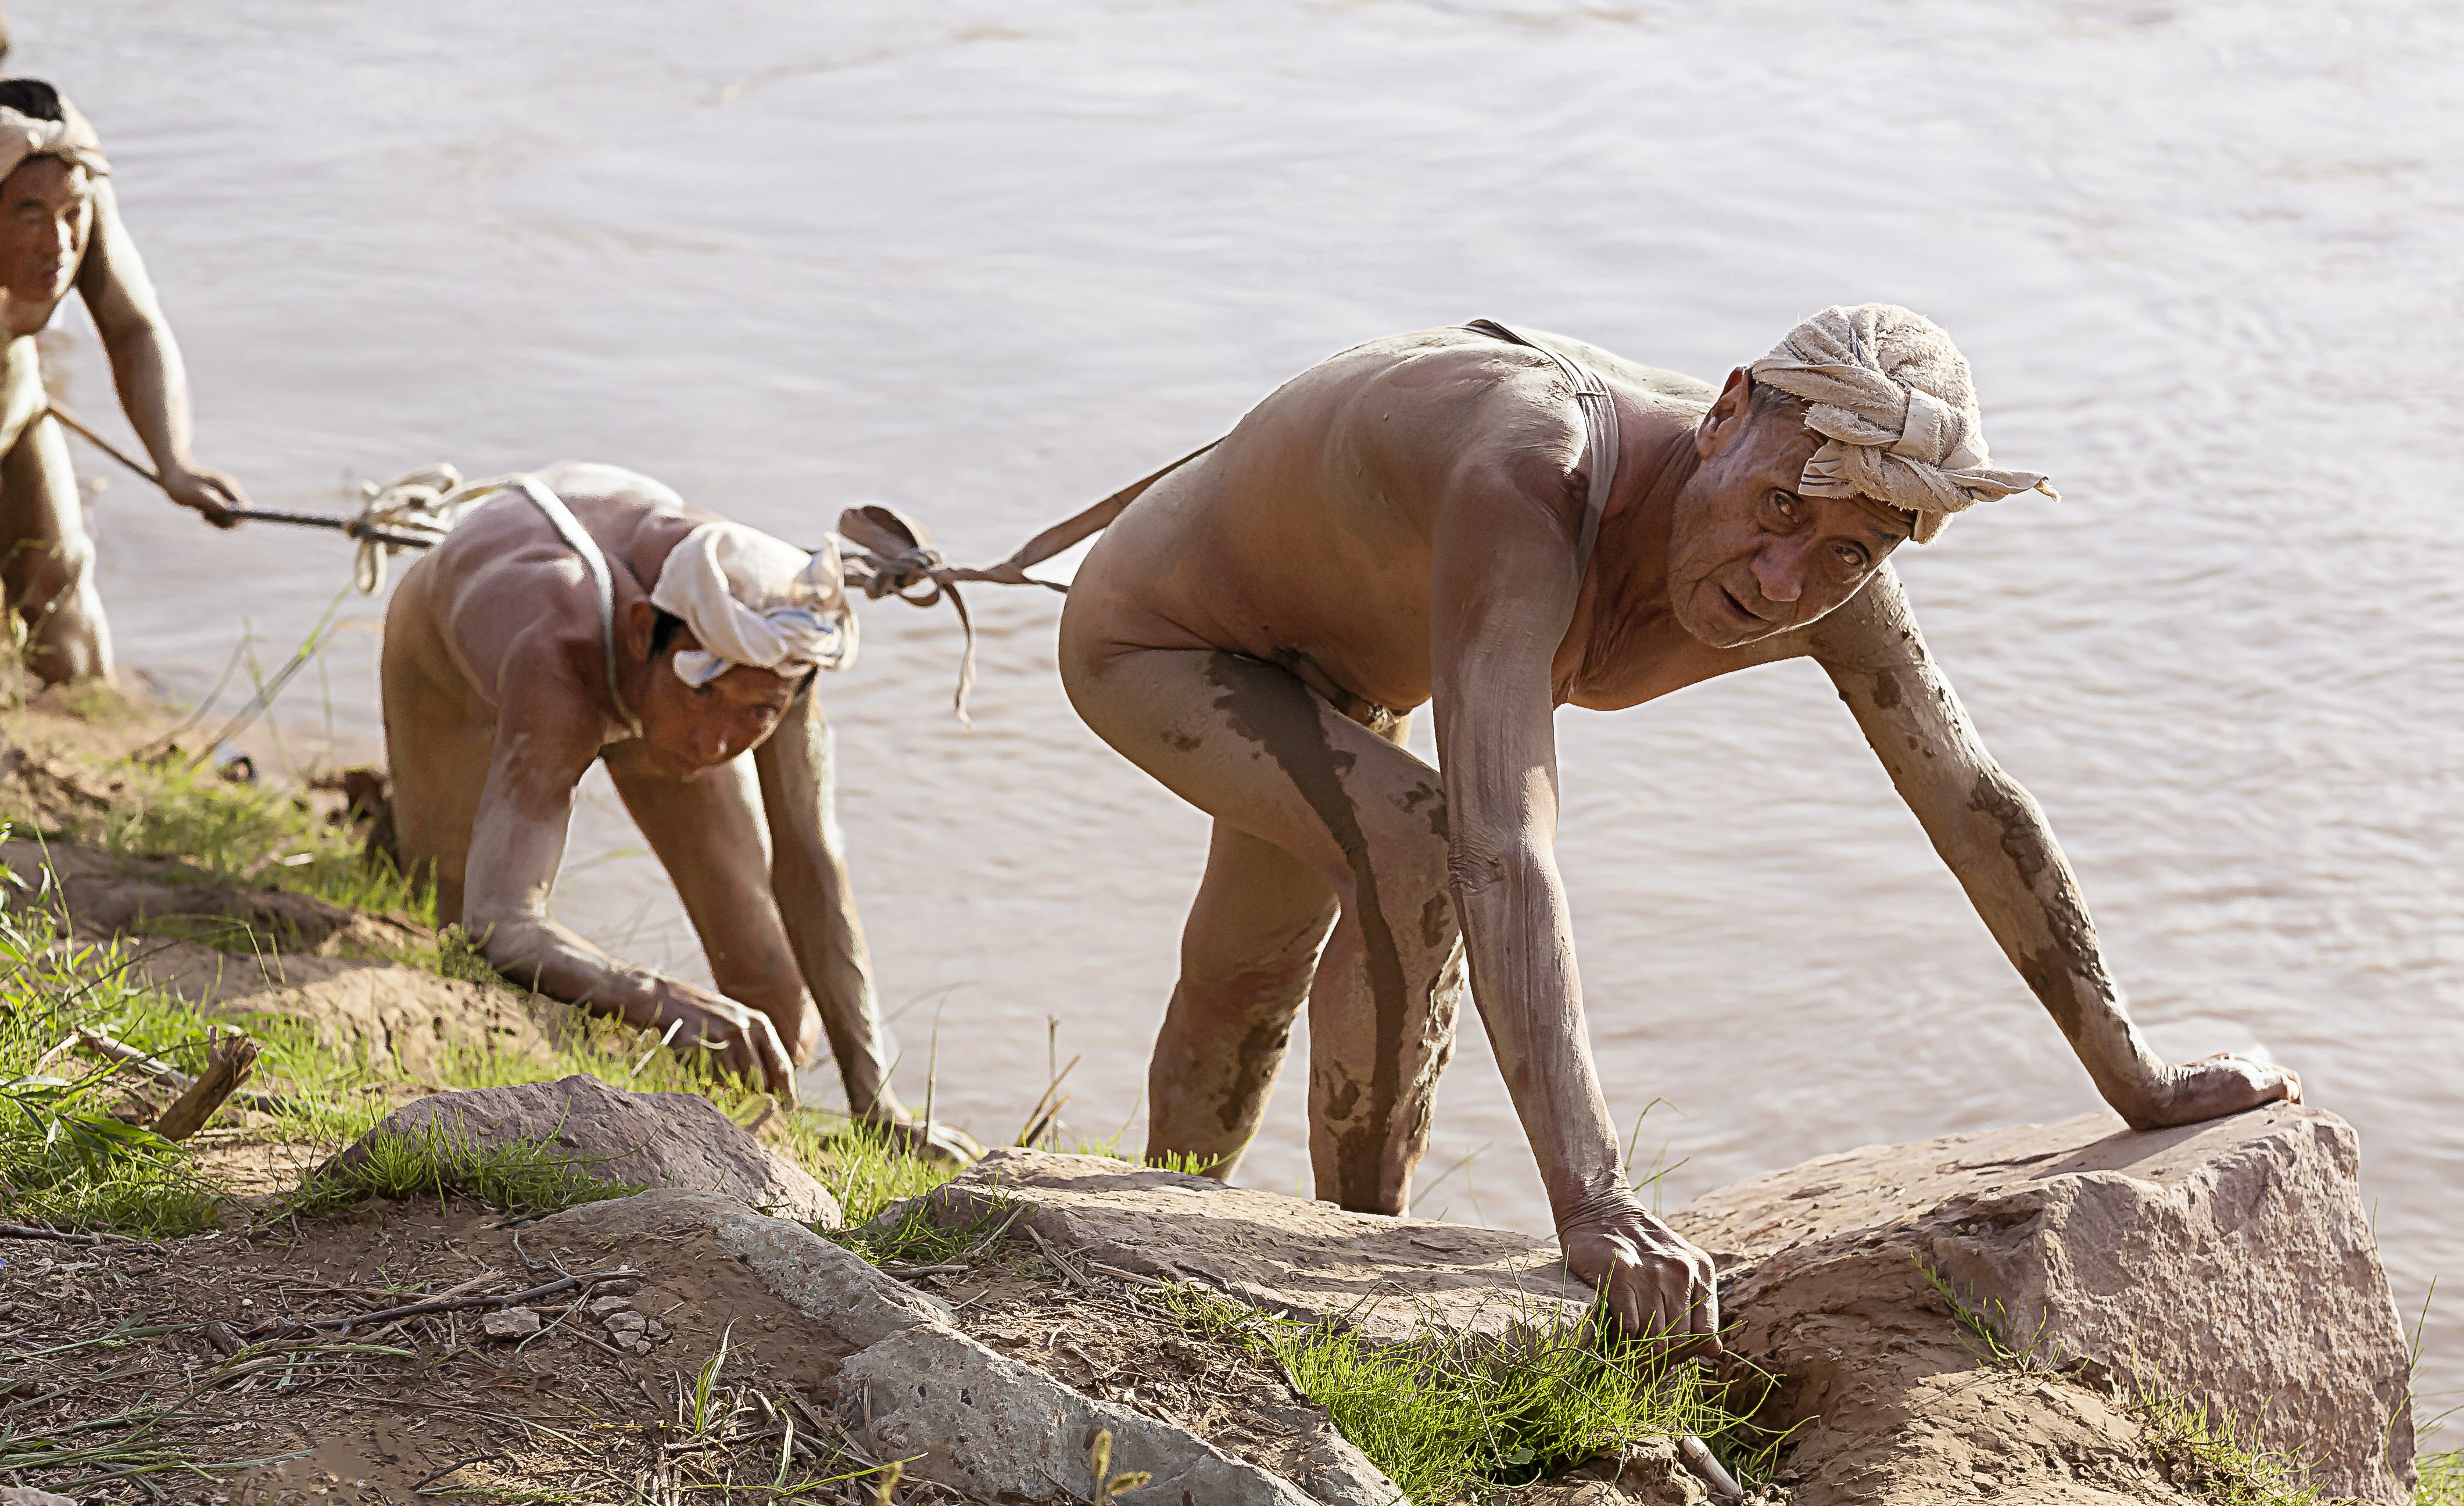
pixel 892 554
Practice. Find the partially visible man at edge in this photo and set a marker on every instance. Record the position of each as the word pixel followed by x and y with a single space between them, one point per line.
pixel 1442 518
pixel 60 228
pixel 586 615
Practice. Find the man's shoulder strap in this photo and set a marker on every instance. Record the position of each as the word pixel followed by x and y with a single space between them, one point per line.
pixel 1600 421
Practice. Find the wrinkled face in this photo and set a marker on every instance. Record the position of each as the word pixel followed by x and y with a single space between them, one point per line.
pixel 687 729
pixel 46 213
pixel 1748 554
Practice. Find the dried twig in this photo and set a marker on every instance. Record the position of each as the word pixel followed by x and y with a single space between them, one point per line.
pixel 103 1045
pixel 230 1057
pixel 438 1474
pixel 1068 1272
pixel 444 1304
pixel 1130 1276
pixel 22 1232
pixel 989 1240
pixel 1037 1117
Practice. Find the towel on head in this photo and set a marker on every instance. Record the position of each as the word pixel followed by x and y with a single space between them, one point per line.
pixel 1892 398
pixel 22 136
pixel 754 599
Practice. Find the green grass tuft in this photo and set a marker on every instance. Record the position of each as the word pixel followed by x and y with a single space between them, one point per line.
pixel 2442 1479
pixel 251 833
pixel 1984 1323
pixel 517 1176
pixel 1448 1417
pixel 2214 1455
pixel 66 1157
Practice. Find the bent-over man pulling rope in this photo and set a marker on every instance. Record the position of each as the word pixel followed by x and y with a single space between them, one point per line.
pixel 586 615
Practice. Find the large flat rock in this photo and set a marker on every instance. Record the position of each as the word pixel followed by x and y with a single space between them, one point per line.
pixel 676 1141
pixel 910 1386
pixel 1388 1277
pixel 2230 1261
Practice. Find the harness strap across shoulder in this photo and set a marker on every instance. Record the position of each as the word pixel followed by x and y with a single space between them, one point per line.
pixel 579 540
pixel 1600 420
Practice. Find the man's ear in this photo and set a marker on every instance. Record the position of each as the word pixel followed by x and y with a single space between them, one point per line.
pixel 1726 419
pixel 641 624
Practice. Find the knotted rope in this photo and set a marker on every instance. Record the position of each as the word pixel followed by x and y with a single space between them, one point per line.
pixel 894 557
pixel 893 553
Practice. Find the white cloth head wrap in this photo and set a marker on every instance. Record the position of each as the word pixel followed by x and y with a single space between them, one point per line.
pixel 1892 398
pixel 754 599
pixel 22 135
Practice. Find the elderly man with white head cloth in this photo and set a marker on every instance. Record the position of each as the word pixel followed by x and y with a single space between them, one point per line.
pixel 60 229
pixel 1497 523
pixel 585 613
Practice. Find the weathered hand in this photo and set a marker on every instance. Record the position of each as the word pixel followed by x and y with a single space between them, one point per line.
pixel 2215 1086
pixel 210 491
pixel 744 1041
pixel 1657 1283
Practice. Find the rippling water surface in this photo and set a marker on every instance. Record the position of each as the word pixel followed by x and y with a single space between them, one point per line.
pixel 986 261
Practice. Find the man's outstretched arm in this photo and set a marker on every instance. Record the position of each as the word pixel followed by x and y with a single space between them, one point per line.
pixel 1504 592
pixel 145 364
pixel 518 845
pixel 2000 845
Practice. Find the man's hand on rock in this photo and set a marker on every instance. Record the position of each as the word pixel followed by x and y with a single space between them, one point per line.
pixel 1657 1285
pixel 210 491
pixel 743 1039
pixel 2212 1087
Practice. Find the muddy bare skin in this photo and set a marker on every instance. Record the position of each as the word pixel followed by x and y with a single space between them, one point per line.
pixel 496 702
pixel 1398 526
pixel 60 230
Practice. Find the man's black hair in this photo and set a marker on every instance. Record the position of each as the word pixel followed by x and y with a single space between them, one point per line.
pixel 1768 398
pixel 665 627
pixel 664 630
pixel 32 98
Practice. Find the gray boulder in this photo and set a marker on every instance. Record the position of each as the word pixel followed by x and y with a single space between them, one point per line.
pixel 677 1141
pixel 2230 1262
pixel 913 1387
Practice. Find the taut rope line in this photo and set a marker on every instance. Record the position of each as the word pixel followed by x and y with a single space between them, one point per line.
pixel 360 528
pixel 893 553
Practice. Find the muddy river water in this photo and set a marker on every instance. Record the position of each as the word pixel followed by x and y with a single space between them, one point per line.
pixel 985 262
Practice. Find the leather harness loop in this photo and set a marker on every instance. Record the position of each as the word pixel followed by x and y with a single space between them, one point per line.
pixel 1599 422
pixel 571 530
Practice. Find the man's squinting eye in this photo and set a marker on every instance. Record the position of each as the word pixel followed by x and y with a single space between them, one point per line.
pixel 1787 505
pixel 1851 557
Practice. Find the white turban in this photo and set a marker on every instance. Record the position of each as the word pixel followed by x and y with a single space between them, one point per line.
pixel 754 599
pixel 22 135
pixel 1892 398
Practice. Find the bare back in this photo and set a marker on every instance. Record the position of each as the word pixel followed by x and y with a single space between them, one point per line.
pixel 1309 537
pixel 504 593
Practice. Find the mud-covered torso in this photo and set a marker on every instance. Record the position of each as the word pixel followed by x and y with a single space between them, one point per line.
pixel 1308 537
